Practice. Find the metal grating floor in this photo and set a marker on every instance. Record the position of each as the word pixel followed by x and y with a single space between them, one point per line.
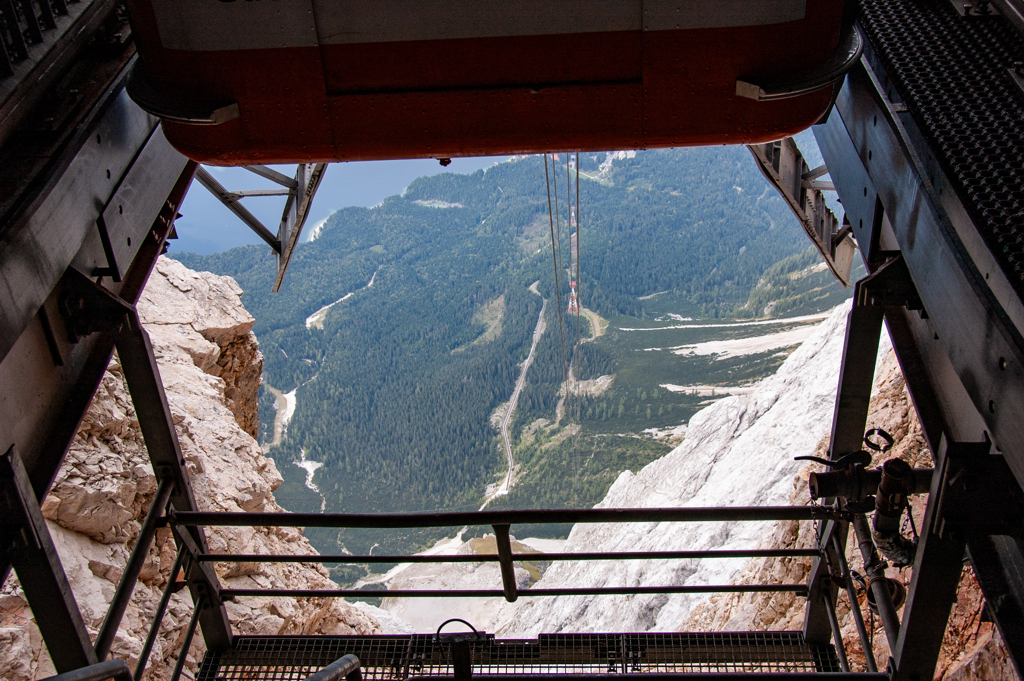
pixel 287 658
pixel 952 72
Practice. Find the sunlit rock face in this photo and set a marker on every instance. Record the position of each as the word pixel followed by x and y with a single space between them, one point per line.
pixel 211 365
pixel 737 452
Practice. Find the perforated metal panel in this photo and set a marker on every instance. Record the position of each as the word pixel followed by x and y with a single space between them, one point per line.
pixel 953 73
pixel 288 658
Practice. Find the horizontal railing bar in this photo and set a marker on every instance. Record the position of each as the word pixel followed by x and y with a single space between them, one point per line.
pixel 493 557
pixel 529 516
pixel 798 589
pixel 671 676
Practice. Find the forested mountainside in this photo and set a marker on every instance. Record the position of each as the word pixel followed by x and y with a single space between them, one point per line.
pixel 396 382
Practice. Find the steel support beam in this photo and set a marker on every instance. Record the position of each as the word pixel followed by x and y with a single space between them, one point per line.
pixel 300 192
pixel 784 167
pixel 43 421
pixel 999 564
pixel 142 375
pixel 29 548
pixel 241 212
pixel 307 179
pixel 937 567
pixel 132 570
pixel 685 514
pixel 962 360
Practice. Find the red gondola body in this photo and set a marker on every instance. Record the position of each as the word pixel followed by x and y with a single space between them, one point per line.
pixel 347 80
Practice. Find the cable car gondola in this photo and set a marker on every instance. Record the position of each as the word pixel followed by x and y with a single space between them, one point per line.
pixel 268 81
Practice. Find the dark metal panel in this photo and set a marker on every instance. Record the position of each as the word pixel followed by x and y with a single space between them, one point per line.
pixel 37 248
pixel 129 213
pixel 951 358
pixel 986 351
pixel 975 334
pixel 40 65
pixel 34 557
pixel 43 403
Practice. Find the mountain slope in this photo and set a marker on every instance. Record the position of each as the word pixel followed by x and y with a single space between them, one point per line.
pixel 393 394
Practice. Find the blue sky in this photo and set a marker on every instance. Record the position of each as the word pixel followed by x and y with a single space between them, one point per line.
pixel 206 226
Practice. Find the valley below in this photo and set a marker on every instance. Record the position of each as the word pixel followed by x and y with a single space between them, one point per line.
pixel 420 356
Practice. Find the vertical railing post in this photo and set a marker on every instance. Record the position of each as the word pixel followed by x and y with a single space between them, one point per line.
pixel 508 571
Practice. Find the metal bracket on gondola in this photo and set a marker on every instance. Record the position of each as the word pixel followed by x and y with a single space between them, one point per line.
pixel 827 74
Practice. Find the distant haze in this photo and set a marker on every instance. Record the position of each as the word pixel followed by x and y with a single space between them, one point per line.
pixel 206 226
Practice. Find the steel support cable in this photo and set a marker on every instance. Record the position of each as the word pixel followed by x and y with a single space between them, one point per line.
pixel 558 266
pixel 579 284
pixel 554 257
pixel 574 398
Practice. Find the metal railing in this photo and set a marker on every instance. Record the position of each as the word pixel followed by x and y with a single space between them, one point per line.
pixel 501 522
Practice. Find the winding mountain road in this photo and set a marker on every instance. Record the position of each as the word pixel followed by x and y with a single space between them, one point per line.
pixel 537 333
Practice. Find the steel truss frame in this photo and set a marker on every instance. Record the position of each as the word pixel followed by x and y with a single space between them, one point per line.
pixel 957 335
pixel 300 191
pixel 958 341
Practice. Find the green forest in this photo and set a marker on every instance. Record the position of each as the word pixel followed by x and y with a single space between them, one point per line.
pixel 396 390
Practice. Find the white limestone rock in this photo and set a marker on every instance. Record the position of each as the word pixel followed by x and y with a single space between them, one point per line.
pixel 738 452
pixel 210 366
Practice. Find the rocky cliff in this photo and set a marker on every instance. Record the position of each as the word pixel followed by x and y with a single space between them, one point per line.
pixel 740 451
pixel 737 452
pixel 211 366
pixel 972 649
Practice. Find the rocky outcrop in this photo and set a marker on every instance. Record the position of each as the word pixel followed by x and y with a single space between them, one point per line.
pixel 737 452
pixel 971 648
pixel 210 365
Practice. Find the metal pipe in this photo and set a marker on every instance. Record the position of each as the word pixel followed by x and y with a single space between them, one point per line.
pixel 837 633
pixel 858 617
pixel 508 571
pixel 111 669
pixel 859 483
pixel 158 617
pixel 493 557
pixel 875 574
pixel 346 667
pixel 540 516
pixel 798 589
pixel 890 500
pixel 179 665
pixel 132 570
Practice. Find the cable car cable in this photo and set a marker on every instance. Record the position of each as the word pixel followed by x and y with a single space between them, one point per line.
pixel 554 259
pixel 574 403
pixel 558 266
pixel 579 302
